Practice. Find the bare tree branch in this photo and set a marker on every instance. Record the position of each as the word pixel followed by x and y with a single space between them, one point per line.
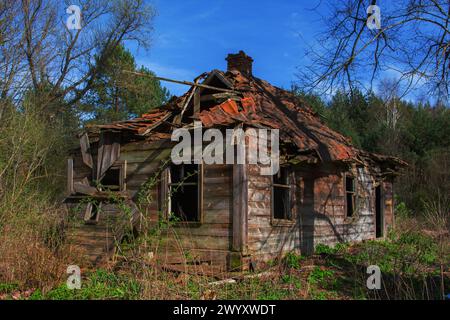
pixel 413 42
pixel 38 51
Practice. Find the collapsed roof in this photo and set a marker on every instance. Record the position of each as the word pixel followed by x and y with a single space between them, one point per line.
pixel 227 99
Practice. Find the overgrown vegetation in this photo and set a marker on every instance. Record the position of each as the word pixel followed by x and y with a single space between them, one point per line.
pixel 409 261
pixel 32 250
pixel 42 106
pixel 412 265
pixel 413 259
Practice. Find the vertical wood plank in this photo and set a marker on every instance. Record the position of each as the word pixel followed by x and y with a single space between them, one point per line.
pixel 200 193
pixel 86 150
pixel 196 101
pixel 240 201
pixel 123 176
pixel 164 193
pixel 70 189
pixel 292 195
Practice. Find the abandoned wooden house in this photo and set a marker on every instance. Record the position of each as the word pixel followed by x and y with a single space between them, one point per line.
pixel 228 215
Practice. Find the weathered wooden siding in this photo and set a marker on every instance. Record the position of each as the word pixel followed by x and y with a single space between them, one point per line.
pixel 319 210
pixel 210 240
pixel 320 215
pixel 267 238
pixel 96 240
pixel 80 170
pixel 207 241
pixel 144 162
pixel 323 216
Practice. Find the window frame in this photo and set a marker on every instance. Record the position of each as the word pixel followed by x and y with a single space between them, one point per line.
pixel 121 165
pixel 167 185
pixel 288 221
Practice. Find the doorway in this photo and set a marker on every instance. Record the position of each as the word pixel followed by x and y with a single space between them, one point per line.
pixel 379 212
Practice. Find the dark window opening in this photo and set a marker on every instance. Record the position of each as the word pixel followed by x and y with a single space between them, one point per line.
pixel 184 192
pixel 379 223
pixel 111 180
pixel 350 192
pixel 281 193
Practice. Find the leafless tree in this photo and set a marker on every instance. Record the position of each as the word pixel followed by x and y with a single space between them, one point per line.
pixel 413 44
pixel 389 93
pixel 38 51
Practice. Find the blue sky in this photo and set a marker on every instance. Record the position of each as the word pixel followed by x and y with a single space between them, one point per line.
pixel 194 36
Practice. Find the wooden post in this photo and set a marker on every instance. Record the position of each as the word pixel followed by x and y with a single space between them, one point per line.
pixel 164 194
pixel 123 176
pixel 70 188
pixel 240 208
pixel 200 193
pixel 196 101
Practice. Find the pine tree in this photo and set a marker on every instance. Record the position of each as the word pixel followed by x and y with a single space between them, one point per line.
pixel 118 95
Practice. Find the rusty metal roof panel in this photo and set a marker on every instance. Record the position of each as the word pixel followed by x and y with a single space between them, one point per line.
pixel 261 105
pixel 139 125
pixel 268 106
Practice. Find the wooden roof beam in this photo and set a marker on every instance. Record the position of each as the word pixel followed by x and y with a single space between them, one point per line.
pixel 188 83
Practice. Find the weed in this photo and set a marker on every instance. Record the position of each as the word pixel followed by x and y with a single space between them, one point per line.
pixel 8 287
pixel 291 279
pixel 99 285
pixel 292 260
pixel 320 276
pixel 402 211
pixel 324 249
pixel 318 295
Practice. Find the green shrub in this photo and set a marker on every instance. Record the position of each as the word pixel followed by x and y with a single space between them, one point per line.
pixel 341 247
pixel 407 252
pixel 402 211
pixel 292 260
pixel 320 277
pixel 324 249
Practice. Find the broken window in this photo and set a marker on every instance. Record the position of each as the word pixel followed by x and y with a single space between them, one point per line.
pixel 111 180
pixel 281 195
pixel 350 195
pixel 114 178
pixel 184 192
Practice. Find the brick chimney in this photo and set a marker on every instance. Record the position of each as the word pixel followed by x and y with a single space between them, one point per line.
pixel 240 62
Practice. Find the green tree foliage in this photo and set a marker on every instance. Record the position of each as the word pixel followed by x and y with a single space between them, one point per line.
pixel 419 133
pixel 32 153
pixel 53 112
pixel 117 95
